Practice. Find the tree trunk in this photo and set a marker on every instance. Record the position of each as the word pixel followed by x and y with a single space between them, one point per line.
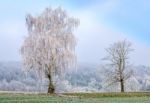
pixel 122 85
pixel 51 87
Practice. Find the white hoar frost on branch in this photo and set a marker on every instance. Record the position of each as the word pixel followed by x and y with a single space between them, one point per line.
pixel 118 68
pixel 49 47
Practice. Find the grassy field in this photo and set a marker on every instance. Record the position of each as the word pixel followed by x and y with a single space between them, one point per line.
pixel 77 98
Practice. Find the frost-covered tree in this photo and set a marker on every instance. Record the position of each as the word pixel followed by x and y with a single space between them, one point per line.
pixel 49 47
pixel 117 68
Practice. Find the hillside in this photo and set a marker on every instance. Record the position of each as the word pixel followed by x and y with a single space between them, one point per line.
pixel 87 77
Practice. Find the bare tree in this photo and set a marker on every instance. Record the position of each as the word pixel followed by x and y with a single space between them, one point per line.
pixel 117 68
pixel 49 47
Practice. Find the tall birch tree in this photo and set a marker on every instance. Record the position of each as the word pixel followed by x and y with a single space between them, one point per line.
pixel 50 45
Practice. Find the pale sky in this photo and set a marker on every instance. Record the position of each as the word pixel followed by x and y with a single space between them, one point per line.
pixel 102 22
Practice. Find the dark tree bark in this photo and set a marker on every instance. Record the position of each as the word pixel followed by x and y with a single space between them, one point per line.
pixel 51 87
pixel 122 85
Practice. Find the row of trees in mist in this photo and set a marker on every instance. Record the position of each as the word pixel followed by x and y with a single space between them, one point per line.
pixel 87 78
pixel 49 48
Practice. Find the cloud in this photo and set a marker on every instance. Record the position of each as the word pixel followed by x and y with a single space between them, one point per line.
pixel 94 35
pixel 11 36
pixel 141 54
pixel 12 28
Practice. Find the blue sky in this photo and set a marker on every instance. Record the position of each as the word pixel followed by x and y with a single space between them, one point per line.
pixel 133 17
pixel 102 22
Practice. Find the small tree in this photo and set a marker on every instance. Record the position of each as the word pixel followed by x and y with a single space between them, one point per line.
pixel 49 47
pixel 117 68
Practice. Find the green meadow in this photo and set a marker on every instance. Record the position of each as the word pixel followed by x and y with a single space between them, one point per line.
pixel 77 98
